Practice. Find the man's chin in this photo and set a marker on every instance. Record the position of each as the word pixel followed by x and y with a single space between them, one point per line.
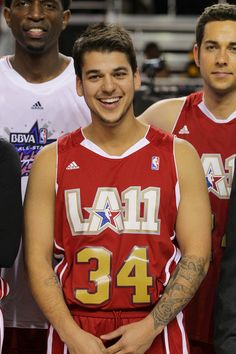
pixel 111 123
pixel 221 91
pixel 35 50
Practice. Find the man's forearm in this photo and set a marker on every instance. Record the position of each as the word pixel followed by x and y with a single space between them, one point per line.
pixel 49 296
pixel 182 286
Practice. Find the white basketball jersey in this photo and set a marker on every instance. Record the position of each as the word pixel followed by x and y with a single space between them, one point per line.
pixel 32 116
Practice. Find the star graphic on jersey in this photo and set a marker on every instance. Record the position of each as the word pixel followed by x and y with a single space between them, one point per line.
pixel 212 180
pixel 107 216
pixel 28 144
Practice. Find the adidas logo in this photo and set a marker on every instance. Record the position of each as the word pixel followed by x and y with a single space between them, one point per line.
pixel 184 130
pixel 72 166
pixel 37 105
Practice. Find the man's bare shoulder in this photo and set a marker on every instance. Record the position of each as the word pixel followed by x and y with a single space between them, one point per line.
pixel 44 165
pixel 163 114
pixel 47 153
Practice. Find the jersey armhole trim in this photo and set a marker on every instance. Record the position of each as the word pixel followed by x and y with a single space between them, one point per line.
pixel 177 189
pixel 177 118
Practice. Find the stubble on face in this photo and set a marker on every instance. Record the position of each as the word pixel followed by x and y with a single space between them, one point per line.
pixel 217 57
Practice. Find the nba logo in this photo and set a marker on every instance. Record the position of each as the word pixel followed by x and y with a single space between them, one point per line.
pixel 43 134
pixel 155 163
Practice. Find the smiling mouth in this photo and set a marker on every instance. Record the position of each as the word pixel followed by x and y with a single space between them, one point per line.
pixel 110 100
pixel 223 73
pixel 35 32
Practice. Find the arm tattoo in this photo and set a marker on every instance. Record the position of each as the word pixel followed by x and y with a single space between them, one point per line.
pixel 182 286
pixel 51 281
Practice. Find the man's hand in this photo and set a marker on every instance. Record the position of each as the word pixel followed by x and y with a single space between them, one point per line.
pixel 135 337
pixel 85 343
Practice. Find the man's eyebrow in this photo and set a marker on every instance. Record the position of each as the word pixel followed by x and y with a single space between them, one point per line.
pixel 215 42
pixel 209 41
pixel 92 71
pixel 97 71
pixel 121 68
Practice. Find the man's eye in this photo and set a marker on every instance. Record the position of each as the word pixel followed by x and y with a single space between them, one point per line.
pixel 120 74
pixel 49 5
pixel 210 47
pixel 93 77
pixel 23 3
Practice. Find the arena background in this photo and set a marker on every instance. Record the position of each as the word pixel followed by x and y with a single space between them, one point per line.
pixel 169 23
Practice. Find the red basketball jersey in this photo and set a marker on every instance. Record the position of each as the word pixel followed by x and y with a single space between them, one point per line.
pixel 114 226
pixel 214 139
pixel 4 288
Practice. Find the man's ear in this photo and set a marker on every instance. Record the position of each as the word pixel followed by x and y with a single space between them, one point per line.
pixel 7 16
pixel 196 54
pixel 79 86
pixel 137 80
pixel 66 17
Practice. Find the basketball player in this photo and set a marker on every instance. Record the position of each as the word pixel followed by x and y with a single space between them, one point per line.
pixel 11 213
pixel 207 120
pixel 225 315
pixel 38 103
pixel 125 194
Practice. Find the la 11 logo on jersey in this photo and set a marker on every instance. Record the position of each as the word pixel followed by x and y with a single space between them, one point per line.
pixel 218 181
pixel 107 211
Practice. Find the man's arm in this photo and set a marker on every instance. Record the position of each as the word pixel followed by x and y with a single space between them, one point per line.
pixel 225 308
pixel 163 114
pixel 193 230
pixel 38 250
pixel 10 204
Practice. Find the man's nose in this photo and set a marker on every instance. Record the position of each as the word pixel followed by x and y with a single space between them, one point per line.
pixel 36 11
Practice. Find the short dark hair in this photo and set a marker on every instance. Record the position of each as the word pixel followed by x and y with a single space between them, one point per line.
pixel 65 3
pixel 103 38
pixel 216 12
pixel 152 50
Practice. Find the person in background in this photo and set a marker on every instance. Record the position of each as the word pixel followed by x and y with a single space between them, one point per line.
pixel 207 119
pixel 6 38
pixel 154 64
pixel 124 194
pixel 225 313
pixel 11 214
pixel 38 103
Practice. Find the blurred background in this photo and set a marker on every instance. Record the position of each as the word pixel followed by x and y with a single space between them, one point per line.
pixel 163 32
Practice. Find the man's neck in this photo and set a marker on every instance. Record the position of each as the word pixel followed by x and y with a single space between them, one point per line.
pixel 118 139
pixel 39 68
pixel 220 105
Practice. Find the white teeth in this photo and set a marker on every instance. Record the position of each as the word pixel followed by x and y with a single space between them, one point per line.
pixel 35 30
pixel 110 100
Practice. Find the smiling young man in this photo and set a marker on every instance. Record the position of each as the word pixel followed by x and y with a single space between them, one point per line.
pixel 207 120
pixel 38 103
pixel 125 194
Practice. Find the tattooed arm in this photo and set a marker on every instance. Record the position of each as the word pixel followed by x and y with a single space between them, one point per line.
pixel 182 286
pixel 193 230
pixel 38 249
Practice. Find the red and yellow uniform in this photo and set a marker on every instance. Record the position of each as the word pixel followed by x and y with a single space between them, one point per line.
pixel 115 234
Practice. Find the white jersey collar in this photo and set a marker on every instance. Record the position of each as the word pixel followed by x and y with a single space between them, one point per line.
pixel 211 116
